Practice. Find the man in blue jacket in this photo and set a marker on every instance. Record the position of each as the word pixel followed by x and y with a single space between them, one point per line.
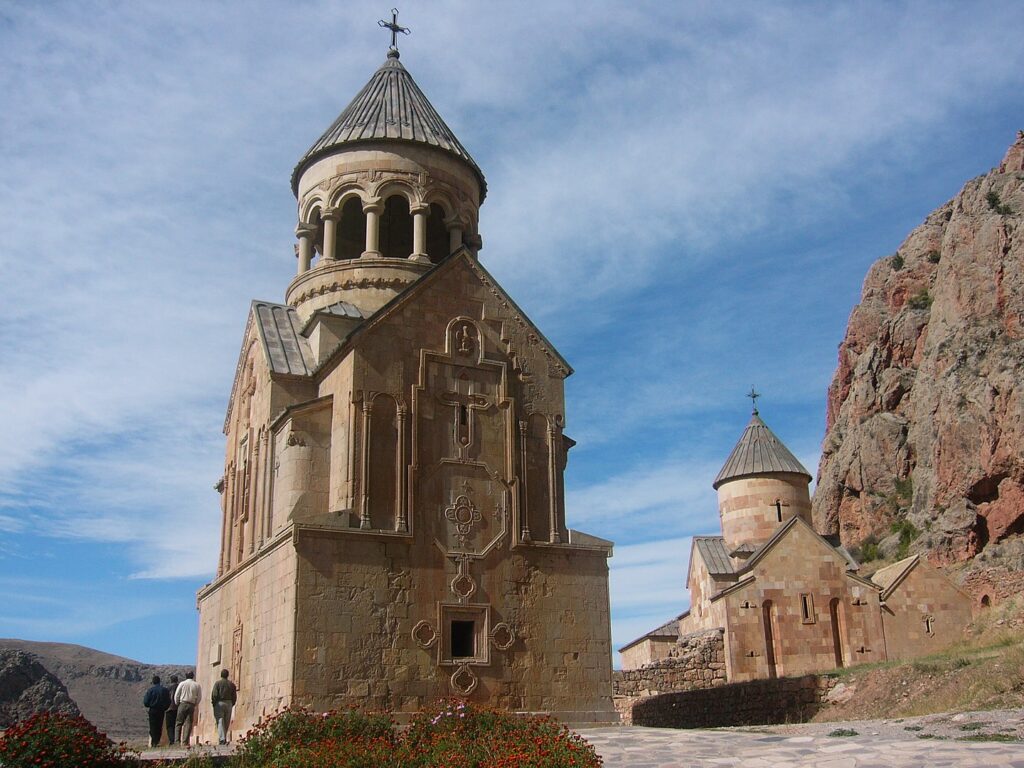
pixel 156 700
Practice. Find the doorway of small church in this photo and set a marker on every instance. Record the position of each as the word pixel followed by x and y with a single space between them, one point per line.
pixel 837 630
pixel 769 638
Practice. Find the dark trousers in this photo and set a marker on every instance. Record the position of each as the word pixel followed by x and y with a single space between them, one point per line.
pixel 156 724
pixel 169 718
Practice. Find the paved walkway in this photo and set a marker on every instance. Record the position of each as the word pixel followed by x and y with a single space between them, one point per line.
pixel 932 741
pixel 635 747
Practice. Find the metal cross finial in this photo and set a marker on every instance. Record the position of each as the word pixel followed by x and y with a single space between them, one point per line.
pixel 394 27
pixel 753 395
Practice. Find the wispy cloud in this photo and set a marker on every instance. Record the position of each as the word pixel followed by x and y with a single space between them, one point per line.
pixel 670 197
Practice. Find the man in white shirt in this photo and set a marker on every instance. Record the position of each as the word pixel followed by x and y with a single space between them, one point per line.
pixel 186 696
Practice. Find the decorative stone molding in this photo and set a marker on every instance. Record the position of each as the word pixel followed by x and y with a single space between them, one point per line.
pixel 424 635
pixel 395 283
pixel 464 514
pixel 463 681
pixel 502 636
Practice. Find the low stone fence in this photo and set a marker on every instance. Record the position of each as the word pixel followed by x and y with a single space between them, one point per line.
pixel 697 661
pixel 758 702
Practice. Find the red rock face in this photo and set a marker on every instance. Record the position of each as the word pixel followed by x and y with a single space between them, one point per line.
pixel 925 418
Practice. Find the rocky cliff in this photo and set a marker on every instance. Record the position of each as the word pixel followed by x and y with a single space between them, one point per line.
pixel 924 449
pixel 26 687
pixel 108 689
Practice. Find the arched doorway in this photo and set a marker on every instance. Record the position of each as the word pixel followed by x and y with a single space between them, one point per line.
pixel 769 638
pixel 837 631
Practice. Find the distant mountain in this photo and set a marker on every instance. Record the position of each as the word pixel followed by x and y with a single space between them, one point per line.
pixel 925 443
pixel 108 689
pixel 26 687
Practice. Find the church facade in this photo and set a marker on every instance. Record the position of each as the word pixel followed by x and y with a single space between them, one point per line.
pixel 393 526
pixel 788 601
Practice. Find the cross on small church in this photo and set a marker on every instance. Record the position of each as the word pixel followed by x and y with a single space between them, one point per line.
pixel 394 27
pixel 753 395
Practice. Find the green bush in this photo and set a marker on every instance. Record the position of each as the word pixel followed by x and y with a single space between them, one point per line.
pixel 907 533
pixel 54 740
pixel 868 549
pixel 896 261
pixel 996 204
pixel 920 300
pixel 934 257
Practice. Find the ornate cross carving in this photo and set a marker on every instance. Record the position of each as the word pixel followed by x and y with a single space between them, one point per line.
pixel 393 26
pixel 464 514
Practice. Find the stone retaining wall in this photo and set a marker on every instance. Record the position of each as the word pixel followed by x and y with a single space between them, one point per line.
pixel 758 702
pixel 697 661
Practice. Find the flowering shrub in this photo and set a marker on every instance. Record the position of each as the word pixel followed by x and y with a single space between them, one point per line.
pixel 451 735
pixel 459 735
pixel 54 740
pixel 298 737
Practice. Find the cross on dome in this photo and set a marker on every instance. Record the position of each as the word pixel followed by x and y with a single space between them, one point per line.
pixel 394 27
pixel 753 395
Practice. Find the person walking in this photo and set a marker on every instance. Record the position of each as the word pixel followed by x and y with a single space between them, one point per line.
pixel 223 697
pixel 156 700
pixel 187 695
pixel 172 712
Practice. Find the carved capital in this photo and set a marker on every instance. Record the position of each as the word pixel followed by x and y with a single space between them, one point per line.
pixel 373 205
pixel 419 208
pixel 330 214
pixel 303 229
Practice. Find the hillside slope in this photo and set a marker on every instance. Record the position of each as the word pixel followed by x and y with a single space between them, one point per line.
pixel 924 447
pixel 108 689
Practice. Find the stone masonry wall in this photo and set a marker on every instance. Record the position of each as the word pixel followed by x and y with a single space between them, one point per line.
pixel 757 702
pixel 696 662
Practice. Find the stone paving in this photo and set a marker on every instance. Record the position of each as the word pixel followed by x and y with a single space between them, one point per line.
pixel 934 741
pixel 636 747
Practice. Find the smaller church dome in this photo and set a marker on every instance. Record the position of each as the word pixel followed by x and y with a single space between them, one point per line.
pixel 390 107
pixel 758 452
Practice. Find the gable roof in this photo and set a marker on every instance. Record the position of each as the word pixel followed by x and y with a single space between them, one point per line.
pixel 891 576
pixel 714 554
pixel 758 452
pixel 464 257
pixel 390 107
pixel 667 631
pixel 279 333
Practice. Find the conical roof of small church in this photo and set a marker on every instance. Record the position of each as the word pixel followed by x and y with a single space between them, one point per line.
pixel 390 107
pixel 758 452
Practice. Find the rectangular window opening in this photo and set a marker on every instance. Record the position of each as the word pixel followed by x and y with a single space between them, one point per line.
pixel 463 639
pixel 807 608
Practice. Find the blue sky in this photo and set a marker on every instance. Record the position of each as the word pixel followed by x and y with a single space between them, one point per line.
pixel 685 198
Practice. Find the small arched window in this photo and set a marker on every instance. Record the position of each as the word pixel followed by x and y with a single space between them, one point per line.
pixel 396 228
pixel 351 230
pixel 438 245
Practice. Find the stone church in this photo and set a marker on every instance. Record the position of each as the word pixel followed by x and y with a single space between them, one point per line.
pixel 786 600
pixel 394 526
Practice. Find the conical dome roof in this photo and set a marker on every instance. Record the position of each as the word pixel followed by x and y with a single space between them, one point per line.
pixel 758 452
pixel 390 107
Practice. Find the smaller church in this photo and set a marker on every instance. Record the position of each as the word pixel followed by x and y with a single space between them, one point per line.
pixel 787 600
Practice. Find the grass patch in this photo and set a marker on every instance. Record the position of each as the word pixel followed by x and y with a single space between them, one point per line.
pixel 842 733
pixel 973 726
pixel 988 737
pixel 913 728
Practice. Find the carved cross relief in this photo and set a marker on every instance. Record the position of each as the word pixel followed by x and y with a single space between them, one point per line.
pixel 463 401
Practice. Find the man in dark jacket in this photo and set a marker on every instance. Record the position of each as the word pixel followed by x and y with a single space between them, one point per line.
pixel 172 712
pixel 156 700
pixel 223 698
